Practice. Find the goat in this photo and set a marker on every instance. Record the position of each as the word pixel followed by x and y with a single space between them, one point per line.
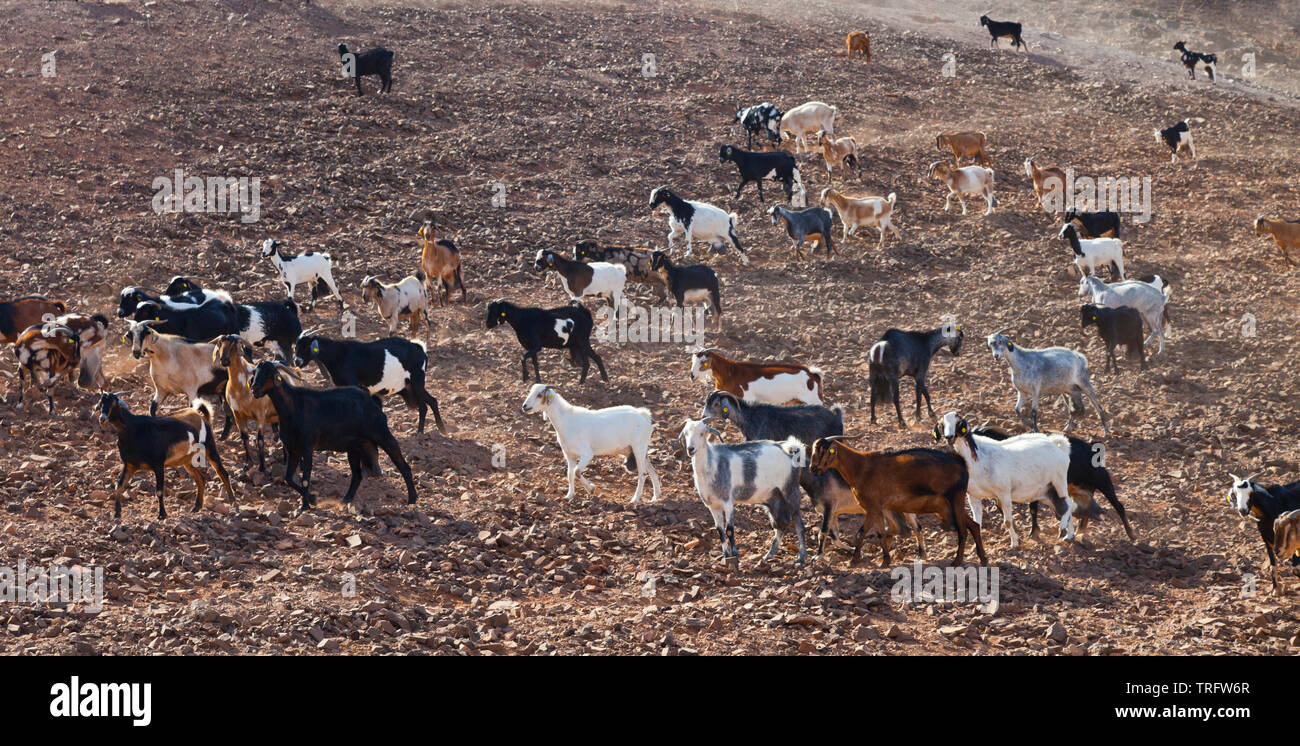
pixel 1051 371
pixel 875 212
pixel 805 119
pixel 1177 138
pixel 1085 478
pixel 754 166
pixel 1019 469
pixel 1149 299
pixel 92 332
pixel 755 472
pixel 406 300
pixel 274 321
pixel 1190 59
pixel 383 368
pixel 1265 505
pixel 581 279
pixel 1285 233
pixel 1116 326
pixel 440 261
pixel 345 419
pixel 565 328
pixel 584 433
pixel 195 324
pixel 1000 29
pixel 235 355
pixel 915 481
pixel 773 383
pixel 193 296
pixel 964 145
pixel 837 151
pixel 1092 253
pixel 900 353
pixel 20 313
pixel 1094 224
pixel 177 366
pixel 309 268
pixel 636 261
pixel 760 119
pixel 377 61
pixel 154 444
pixel 858 41
pixel 50 349
pixel 694 282
pixel 806 423
pixel 1286 535
pixel 811 224
pixel 972 180
pixel 1049 185
pixel 697 220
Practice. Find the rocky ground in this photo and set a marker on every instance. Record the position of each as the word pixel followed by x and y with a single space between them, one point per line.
pixel 550 101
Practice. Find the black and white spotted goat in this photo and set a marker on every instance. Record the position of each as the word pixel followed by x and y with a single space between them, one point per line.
pixel 1192 59
pixel 760 119
pixel 777 165
pixel 1264 504
pixel 385 367
pixel 1178 139
pixel 564 328
pixel 697 220
pixel 273 321
pixel 309 268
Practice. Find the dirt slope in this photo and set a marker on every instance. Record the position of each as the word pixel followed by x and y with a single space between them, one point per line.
pixel 550 100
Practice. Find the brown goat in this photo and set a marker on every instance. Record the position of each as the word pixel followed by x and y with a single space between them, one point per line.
pixel 859 41
pixel 50 349
pixel 1048 181
pixel 917 480
pixel 1286 538
pixel 440 262
pixel 18 314
pixel 235 355
pixel 1286 233
pixel 93 332
pixel 965 145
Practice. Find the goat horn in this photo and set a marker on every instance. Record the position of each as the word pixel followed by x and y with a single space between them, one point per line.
pixel 1252 476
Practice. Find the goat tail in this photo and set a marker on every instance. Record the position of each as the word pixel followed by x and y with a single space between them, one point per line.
pixel 204 409
pixel 1060 441
pixel 877 354
pixel 734 218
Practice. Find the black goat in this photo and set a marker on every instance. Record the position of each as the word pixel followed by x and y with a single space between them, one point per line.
pixel 1087 474
pixel 1190 59
pixel 1265 504
pixel 156 443
pixel 344 419
pixel 759 119
pixel 777 165
pixel 377 61
pixel 1094 224
pixel 274 321
pixel 692 282
pixel 999 29
pixel 564 328
pixel 1117 326
pixel 900 353
pixel 385 367
pixel 198 324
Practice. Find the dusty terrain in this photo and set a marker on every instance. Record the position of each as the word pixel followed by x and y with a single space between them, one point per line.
pixel 549 99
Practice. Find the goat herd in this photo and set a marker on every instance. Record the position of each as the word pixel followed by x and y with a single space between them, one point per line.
pixel 200 343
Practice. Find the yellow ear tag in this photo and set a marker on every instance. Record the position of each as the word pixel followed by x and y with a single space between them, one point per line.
pixel 832 451
pixel 724 410
pixel 546 398
pixel 278 378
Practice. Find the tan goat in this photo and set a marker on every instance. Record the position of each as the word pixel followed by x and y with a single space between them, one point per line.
pixel 440 262
pixel 859 41
pixel 840 151
pixel 855 211
pixel 236 356
pixel 964 145
pixel 1286 233
pixel 1049 186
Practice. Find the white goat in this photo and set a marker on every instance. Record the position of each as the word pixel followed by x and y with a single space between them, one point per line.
pixel 755 472
pixel 1148 298
pixel 584 433
pixel 973 180
pixel 408 299
pixel 1051 371
pixel 310 268
pixel 806 119
pixel 1091 253
pixel 1019 469
pixel 697 220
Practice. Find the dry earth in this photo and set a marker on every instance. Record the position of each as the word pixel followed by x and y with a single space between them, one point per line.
pixel 549 99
